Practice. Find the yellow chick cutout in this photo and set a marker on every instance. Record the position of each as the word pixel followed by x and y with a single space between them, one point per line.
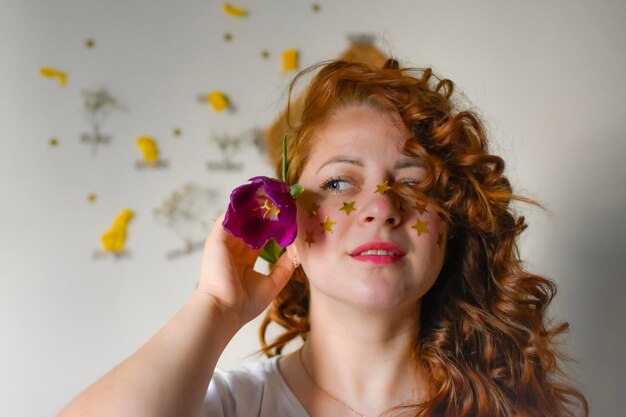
pixel 218 101
pixel 48 72
pixel 114 239
pixel 150 152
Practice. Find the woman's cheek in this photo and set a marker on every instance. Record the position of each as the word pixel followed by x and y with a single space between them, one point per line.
pixel 427 225
pixel 320 219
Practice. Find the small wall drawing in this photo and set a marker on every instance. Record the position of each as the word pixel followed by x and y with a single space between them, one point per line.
pixel 98 104
pixel 188 212
pixel 230 146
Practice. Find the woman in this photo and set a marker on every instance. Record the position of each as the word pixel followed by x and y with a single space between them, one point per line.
pixel 404 280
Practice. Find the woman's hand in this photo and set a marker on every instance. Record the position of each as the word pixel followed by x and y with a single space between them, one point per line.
pixel 229 279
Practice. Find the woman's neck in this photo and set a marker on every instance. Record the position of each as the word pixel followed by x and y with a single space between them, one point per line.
pixel 364 357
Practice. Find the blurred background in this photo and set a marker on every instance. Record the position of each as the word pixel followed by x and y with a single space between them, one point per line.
pixel 82 81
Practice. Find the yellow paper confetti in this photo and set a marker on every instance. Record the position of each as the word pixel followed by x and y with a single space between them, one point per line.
pixel 92 198
pixel 149 149
pixel 48 72
pixel 290 60
pixel 420 226
pixel 234 11
pixel 218 101
pixel 54 142
pixel 113 240
pixel 381 188
pixel 228 36
pixel 90 43
pixel 177 132
pixel 309 238
pixel 327 225
pixel 348 207
pixel 265 54
pixel 315 7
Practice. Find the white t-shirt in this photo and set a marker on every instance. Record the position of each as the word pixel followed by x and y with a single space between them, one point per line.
pixel 255 389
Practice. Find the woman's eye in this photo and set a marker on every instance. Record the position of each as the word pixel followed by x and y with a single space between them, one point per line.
pixel 336 184
pixel 409 181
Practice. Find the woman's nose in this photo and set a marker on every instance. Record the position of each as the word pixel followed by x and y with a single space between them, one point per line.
pixel 381 209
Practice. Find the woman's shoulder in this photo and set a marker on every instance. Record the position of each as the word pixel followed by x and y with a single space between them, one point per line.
pixel 252 388
pixel 248 374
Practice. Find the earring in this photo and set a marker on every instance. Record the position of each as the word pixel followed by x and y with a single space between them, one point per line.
pixel 295 263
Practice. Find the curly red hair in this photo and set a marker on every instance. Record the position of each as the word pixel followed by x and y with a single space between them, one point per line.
pixel 484 340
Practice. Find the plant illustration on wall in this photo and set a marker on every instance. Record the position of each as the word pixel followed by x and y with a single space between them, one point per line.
pixel 98 104
pixel 231 145
pixel 188 212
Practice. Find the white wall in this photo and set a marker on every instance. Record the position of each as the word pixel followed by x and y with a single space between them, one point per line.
pixel 547 76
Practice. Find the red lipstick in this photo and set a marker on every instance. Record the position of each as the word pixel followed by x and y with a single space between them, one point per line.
pixel 378 253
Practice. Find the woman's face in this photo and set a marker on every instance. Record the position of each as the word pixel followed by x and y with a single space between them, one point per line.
pixel 354 242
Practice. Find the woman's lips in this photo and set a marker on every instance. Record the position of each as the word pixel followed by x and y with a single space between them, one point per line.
pixel 378 253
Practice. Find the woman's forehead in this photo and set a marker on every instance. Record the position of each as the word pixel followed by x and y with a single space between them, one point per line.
pixel 359 133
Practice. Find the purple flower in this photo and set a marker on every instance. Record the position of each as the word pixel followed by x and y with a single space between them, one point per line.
pixel 260 211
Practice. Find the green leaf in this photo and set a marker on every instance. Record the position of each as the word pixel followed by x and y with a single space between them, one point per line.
pixel 295 190
pixel 271 251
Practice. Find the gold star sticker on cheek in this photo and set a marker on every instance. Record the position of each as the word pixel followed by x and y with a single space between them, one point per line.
pixel 420 226
pixel 348 207
pixel 420 206
pixel 313 209
pixel 381 188
pixel 309 238
pixel 327 225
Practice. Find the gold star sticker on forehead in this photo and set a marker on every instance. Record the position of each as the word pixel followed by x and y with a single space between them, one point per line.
pixel 381 188
pixel 420 206
pixel 309 238
pixel 420 226
pixel 313 209
pixel 348 207
pixel 327 225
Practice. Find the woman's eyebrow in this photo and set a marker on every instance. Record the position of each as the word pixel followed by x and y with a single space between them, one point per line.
pixel 341 159
pixel 410 162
